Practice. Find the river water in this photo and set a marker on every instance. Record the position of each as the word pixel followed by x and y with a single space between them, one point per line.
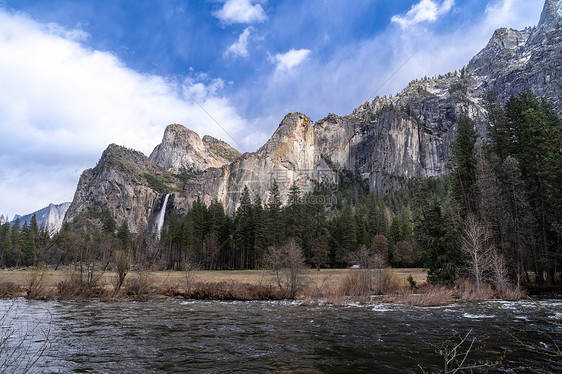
pixel 173 336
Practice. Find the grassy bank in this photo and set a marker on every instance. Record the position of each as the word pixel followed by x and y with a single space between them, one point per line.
pixel 331 286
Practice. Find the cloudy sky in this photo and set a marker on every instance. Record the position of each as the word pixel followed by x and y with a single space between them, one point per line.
pixel 76 76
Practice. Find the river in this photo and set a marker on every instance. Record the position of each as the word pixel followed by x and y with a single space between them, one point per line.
pixel 173 336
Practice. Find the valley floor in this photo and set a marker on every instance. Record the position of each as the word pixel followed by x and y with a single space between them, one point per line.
pixel 327 286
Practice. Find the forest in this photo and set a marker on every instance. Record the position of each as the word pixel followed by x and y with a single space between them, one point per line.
pixel 496 217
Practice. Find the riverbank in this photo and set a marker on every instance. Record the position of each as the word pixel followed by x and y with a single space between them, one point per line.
pixel 327 286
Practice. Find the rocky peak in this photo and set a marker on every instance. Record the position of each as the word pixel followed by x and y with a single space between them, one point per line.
pixel 183 150
pixel 220 149
pixel 292 144
pixel 49 218
pixel 503 47
pixel 549 21
pixel 388 140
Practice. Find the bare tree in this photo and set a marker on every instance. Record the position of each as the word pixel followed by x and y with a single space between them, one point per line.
pixel 287 264
pixel 371 264
pixel 364 258
pixel 500 271
pixel 475 245
pixel 22 343
pixel 122 266
pixel 190 268
pixel 456 355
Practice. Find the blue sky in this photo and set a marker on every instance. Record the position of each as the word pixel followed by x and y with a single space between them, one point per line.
pixel 79 75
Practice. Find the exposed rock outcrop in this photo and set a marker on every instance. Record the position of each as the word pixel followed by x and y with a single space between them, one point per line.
pixel 125 183
pixel 388 140
pixel 182 150
pixel 49 218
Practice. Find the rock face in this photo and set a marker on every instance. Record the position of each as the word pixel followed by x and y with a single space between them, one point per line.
pixel 387 140
pixel 289 155
pixel 182 150
pixel 49 218
pixel 126 184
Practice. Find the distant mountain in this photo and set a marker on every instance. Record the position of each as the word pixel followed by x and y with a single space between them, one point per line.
pixel 51 217
pixel 388 140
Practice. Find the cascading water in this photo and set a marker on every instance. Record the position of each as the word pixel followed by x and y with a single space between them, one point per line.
pixel 161 216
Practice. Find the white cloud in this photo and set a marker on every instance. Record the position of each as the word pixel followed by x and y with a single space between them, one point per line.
pixel 62 104
pixel 347 78
pixel 240 47
pixel 425 10
pixel 76 34
pixel 512 13
pixel 240 11
pixel 288 60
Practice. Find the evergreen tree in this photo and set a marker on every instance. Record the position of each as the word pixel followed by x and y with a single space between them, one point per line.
pixel 108 223
pixel 395 233
pixel 293 213
pixel 363 237
pixel 244 226
pixel 348 234
pixel 125 236
pixel 436 236
pixel 275 227
pixel 377 218
pixel 463 164
pixel 6 245
pixel 533 133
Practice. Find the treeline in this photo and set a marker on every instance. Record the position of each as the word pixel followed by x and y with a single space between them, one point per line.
pixel 496 217
pixel 19 244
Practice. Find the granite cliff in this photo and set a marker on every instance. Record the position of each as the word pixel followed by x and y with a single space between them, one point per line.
pixel 387 140
pixel 49 218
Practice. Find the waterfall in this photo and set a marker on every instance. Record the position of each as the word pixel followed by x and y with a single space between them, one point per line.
pixel 161 216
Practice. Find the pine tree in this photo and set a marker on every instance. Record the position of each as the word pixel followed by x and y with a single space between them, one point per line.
pixel 27 243
pixel 275 227
pixel 436 236
pixel 293 213
pixel 125 236
pixel 533 134
pixel 348 234
pixel 463 164
pixel 6 246
pixel 377 218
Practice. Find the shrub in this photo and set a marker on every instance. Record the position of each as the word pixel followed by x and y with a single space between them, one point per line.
pixel 430 295
pixel 467 290
pixel 139 287
pixel 411 281
pixel 9 290
pixel 74 288
pixel 233 291
pixel 36 288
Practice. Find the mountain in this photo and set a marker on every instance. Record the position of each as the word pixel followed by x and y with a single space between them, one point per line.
pixel 50 217
pixel 183 150
pixel 388 140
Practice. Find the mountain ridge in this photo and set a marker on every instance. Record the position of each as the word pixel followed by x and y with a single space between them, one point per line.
pixel 49 218
pixel 388 140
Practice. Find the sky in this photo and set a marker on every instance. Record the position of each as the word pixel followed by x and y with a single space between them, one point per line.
pixel 76 76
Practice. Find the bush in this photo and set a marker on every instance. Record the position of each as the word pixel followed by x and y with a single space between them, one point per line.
pixel 467 290
pixel 233 291
pixel 139 287
pixel 354 285
pixel 36 288
pixel 74 288
pixel 9 290
pixel 430 295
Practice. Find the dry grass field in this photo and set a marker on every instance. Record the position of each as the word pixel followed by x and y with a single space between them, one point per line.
pixel 18 282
